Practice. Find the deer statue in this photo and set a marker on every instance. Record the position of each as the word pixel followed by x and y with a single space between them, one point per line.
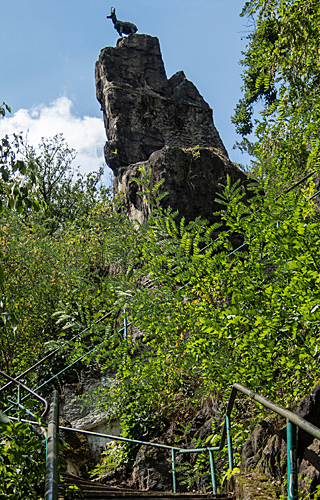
pixel 121 26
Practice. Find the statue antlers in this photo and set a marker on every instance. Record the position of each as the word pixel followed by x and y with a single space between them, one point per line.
pixel 121 26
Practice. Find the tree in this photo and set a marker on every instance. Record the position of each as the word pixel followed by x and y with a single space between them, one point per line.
pixel 17 193
pixel 43 273
pixel 18 181
pixel 41 265
pixel 3 108
pixel 282 73
pixel 67 194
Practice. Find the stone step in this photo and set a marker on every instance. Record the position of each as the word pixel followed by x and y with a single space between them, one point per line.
pixel 93 490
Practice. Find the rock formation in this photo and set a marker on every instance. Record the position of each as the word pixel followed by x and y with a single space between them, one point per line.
pixel 152 468
pixel 156 121
pixel 192 181
pixel 79 409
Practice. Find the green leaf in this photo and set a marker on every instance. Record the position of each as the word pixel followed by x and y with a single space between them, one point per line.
pixel 5 174
pixel 36 205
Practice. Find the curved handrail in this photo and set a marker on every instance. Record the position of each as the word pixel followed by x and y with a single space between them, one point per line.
pixel 293 421
pixel 13 380
pixel 289 415
pixel 48 356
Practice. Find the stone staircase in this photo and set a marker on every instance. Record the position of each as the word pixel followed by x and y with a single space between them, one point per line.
pixel 74 488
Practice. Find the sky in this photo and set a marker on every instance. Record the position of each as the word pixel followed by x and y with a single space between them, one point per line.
pixel 48 51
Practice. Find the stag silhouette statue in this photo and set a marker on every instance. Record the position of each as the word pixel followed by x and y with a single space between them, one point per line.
pixel 121 26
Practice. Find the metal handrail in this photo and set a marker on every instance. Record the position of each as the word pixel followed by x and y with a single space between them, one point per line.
pixel 20 384
pixel 48 356
pixel 137 441
pixel 52 473
pixel 57 374
pixel 52 478
pixel 293 417
pixel 173 449
pixel 124 328
pixel 293 421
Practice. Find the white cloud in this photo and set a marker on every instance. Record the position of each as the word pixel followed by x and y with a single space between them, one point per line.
pixel 84 134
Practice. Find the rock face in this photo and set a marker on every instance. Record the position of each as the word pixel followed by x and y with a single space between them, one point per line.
pixel 143 110
pixel 193 179
pixel 80 414
pixel 152 469
pixel 153 120
pixel 79 409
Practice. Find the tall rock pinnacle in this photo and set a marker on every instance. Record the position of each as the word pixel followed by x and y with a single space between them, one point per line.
pixel 143 110
pixel 156 121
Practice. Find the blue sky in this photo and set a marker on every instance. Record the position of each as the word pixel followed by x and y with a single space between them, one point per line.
pixel 49 49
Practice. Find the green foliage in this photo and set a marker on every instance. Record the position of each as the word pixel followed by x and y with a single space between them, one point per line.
pixel 43 269
pixel 189 474
pixel 66 193
pixel 229 474
pixel 210 316
pixel 314 493
pixel 282 73
pixel 48 273
pixel 18 181
pixel 51 258
pixel 203 315
pixel 114 457
pixel 148 190
pixel 22 462
pixel 207 316
pixel 17 186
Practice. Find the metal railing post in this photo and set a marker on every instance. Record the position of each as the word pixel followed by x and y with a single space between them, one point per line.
pixel 52 474
pixel 213 478
pixel 19 402
pixel 125 326
pixel 229 440
pixel 174 482
pixel 292 461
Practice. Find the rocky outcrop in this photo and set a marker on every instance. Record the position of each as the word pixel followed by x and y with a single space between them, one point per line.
pixel 79 402
pixel 152 468
pixel 309 471
pixel 252 486
pixel 159 122
pixel 266 449
pixel 193 178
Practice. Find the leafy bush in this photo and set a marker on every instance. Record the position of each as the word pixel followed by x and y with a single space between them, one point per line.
pixel 22 462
